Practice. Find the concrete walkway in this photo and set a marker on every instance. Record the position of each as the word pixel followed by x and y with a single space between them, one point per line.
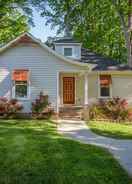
pixel 78 130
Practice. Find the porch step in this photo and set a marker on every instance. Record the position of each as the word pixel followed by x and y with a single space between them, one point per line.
pixel 71 113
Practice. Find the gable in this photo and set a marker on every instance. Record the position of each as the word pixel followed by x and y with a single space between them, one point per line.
pixel 34 57
pixel 27 39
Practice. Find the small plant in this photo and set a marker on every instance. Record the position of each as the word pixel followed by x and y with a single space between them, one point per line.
pixel 114 109
pixel 130 114
pixel 41 108
pixel 96 112
pixel 9 108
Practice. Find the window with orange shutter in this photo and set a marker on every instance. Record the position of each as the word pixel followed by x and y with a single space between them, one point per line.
pixel 21 84
pixel 105 82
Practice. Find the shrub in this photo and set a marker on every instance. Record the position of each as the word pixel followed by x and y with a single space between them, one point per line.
pixel 114 109
pixel 41 108
pixel 130 114
pixel 96 112
pixel 9 108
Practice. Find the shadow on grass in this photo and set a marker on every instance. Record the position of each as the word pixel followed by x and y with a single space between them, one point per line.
pixel 32 152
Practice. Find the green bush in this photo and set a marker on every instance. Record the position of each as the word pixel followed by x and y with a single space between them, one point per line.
pixel 41 108
pixel 114 109
pixel 9 108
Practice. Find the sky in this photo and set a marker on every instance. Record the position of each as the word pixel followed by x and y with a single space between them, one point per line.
pixel 41 31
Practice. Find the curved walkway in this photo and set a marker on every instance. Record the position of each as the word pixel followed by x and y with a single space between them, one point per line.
pixel 78 130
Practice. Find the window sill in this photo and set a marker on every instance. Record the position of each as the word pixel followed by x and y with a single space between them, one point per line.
pixel 21 99
pixel 72 57
pixel 105 97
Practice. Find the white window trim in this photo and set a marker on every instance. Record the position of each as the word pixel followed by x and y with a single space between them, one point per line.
pixel 28 91
pixel 99 95
pixel 21 98
pixel 71 47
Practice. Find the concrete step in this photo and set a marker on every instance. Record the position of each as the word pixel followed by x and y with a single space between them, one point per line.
pixel 71 113
pixel 67 109
pixel 71 118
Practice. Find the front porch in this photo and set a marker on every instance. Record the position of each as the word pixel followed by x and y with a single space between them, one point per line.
pixel 72 93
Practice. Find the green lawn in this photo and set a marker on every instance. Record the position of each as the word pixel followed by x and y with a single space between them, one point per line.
pixel 31 152
pixel 115 130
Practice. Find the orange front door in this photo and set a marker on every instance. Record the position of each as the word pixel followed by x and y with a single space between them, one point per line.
pixel 68 90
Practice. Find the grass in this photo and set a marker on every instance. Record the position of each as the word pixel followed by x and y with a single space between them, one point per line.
pixel 31 152
pixel 114 130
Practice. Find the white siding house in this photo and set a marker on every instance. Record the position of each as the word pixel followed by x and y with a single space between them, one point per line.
pixel 76 80
pixel 44 69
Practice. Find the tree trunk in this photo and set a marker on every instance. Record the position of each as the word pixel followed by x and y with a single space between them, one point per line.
pixel 127 29
pixel 129 48
pixel 130 33
pixel 127 35
pixel 130 15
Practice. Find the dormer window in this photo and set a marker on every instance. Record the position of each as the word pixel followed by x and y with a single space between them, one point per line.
pixel 68 47
pixel 67 51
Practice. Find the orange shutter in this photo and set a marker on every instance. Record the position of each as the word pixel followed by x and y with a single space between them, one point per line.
pixel 20 75
pixel 105 80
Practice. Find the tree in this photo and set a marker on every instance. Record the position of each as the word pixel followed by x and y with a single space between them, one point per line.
pixel 96 24
pixel 126 25
pixel 14 18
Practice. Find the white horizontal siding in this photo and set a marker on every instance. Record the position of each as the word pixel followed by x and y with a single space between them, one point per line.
pixel 43 68
pixel 122 87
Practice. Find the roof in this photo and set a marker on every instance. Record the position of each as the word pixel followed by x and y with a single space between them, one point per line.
pixel 66 40
pixel 102 63
pixel 89 59
pixel 28 38
pixel 99 62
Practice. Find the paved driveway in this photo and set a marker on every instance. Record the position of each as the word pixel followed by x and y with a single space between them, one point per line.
pixel 78 130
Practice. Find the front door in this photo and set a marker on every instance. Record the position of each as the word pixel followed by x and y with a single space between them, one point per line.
pixel 68 90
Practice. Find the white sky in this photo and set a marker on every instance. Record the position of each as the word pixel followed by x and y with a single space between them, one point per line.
pixel 40 30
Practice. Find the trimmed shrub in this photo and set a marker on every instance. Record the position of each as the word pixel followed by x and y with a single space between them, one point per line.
pixel 113 109
pixel 9 108
pixel 41 108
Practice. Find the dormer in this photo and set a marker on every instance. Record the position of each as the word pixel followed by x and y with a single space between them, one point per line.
pixel 68 47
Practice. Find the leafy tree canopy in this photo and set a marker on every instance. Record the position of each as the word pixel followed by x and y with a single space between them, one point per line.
pixel 95 23
pixel 14 18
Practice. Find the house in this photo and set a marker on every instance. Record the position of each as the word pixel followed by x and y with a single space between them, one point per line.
pixel 69 74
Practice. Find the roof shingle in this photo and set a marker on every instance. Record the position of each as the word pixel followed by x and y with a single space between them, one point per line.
pixel 102 63
pixel 66 40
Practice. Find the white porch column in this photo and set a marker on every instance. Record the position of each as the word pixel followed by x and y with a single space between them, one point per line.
pixel 57 94
pixel 86 90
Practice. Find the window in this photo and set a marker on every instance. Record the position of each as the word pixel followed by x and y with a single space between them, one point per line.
pixel 104 91
pixel 105 86
pixel 20 84
pixel 67 51
pixel 21 89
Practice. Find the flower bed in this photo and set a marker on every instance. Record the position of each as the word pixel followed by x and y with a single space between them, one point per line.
pixel 9 108
pixel 115 109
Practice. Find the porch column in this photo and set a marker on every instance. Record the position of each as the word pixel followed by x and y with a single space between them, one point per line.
pixel 86 90
pixel 57 96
